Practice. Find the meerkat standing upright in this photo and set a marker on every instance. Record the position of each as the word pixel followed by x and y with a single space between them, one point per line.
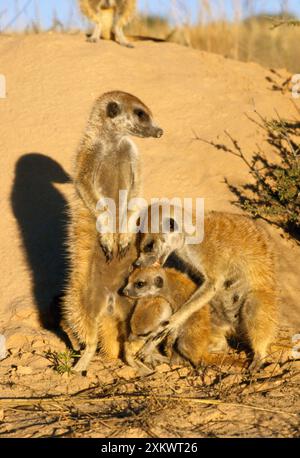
pixel 235 251
pixel 110 17
pixel 107 162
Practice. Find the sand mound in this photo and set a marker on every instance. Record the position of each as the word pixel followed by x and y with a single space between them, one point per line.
pixel 52 81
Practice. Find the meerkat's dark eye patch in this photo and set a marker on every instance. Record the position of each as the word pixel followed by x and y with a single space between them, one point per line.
pixel 159 282
pixel 113 109
pixel 141 114
pixel 149 247
pixel 140 284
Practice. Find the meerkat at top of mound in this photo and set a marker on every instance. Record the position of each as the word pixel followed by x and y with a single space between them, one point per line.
pixel 110 17
pixel 108 161
pixel 159 293
pixel 236 251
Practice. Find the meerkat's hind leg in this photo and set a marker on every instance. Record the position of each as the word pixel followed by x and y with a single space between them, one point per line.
pixel 259 324
pixel 95 37
pixel 71 336
pixel 90 349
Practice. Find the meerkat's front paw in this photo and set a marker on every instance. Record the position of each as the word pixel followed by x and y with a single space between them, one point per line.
pixel 124 244
pixel 256 364
pixel 92 39
pixel 127 45
pixel 107 244
pixel 108 253
pixel 124 43
pixel 153 341
pixel 155 359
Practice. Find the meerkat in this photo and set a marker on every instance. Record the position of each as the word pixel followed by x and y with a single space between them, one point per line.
pixel 110 17
pixel 107 161
pixel 236 251
pixel 159 293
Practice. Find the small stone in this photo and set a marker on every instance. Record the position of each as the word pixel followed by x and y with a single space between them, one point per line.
pixel 162 368
pixel 126 372
pixel 3 351
pixel 66 375
pixel 24 370
pixel 39 362
pixel 183 371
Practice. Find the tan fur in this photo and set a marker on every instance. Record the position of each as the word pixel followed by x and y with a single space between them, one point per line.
pixel 106 162
pixel 236 250
pixel 156 305
pixel 110 17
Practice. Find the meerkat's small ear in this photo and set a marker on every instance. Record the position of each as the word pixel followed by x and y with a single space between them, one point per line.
pixel 113 109
pixel 159 281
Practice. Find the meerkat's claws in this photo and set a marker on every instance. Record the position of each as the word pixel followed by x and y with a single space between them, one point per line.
pixel 109 254
pixel 256 364
pixel 152 360
pixel 166 332
pixel 153 341
pixel 123 250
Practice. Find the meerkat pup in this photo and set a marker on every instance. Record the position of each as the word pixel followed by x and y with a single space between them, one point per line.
pixel 107 161
pixel 159 293
pixel 236 251
pixel 110 17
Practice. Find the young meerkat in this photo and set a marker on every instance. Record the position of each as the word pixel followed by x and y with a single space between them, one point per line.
pixel 110 17
pixel 159 293
pixel 236 253
pixel 107 161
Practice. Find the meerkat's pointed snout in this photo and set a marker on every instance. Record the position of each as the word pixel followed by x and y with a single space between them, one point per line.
pixel 157 132
pixel 125 291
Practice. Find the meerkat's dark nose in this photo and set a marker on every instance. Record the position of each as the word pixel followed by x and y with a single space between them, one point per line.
pixel 125 291
pixel 159 133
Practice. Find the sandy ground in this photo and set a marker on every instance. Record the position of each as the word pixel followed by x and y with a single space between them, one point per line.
pixel 52 81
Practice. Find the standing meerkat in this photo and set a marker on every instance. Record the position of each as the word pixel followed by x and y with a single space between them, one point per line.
pixel 107 161
pixel 110 17
pixel 236 251
pixel 159 293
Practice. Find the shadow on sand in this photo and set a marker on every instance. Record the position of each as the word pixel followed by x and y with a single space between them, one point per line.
pixel 40 210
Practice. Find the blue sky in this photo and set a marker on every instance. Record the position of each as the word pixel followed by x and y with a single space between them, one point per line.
pixel 67 12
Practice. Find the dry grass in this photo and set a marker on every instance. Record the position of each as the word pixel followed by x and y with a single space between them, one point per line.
pixel 252 40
